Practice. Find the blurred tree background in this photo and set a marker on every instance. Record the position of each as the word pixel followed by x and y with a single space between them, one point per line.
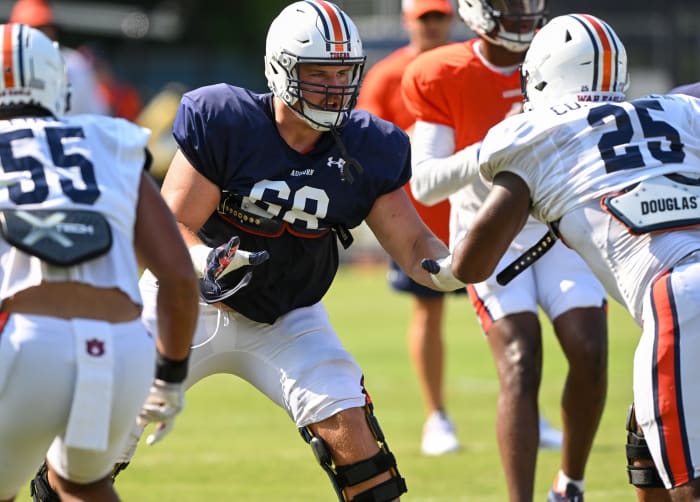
pixel 153 42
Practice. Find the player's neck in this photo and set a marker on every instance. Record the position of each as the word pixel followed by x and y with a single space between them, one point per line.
pixel 498 56
pixel 293 130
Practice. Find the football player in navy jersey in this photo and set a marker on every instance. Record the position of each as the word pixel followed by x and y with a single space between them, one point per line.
pixel 688 89
pixel 287 174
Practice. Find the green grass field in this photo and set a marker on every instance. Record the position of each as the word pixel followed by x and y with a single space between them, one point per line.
pixel 232 444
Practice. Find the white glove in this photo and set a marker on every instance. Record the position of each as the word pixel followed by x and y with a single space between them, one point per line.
pixel 164 402
pixel 441 273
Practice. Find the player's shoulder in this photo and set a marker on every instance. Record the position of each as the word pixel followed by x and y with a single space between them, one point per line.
pixel 215 98
pixel 116 127
pixel 687 89
pixel 224 104
pixel 367 124
pixel 374 132
pixel 441 61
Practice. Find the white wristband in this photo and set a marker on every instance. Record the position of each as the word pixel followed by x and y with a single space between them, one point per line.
pixel 199 254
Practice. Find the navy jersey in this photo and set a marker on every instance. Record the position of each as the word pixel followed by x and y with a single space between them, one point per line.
pixel 280 200
pixel 689 89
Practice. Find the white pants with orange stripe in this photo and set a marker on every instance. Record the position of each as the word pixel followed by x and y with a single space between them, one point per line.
pixel 667 373
pixel 558 282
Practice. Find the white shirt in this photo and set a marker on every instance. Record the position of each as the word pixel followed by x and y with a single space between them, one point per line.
pixel 572 154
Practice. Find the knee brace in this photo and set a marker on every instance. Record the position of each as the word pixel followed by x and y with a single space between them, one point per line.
pixel 39 487
pixel 342 476
pixel 641 476
pixel 118 468
pixel 41 490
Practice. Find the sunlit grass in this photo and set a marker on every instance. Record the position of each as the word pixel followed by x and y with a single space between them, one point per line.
pixel 230 443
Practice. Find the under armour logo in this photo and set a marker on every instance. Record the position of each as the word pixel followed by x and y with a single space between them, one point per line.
pixel 44 228
pixel 95 347
pixel 337 163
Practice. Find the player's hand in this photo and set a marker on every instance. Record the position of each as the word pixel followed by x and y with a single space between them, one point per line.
pixel 441 273
pixel 219 282
pixel 164 402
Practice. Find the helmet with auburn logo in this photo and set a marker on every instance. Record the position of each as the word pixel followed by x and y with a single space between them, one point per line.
pixel 314 32
pixel 33 70
pixel 574 57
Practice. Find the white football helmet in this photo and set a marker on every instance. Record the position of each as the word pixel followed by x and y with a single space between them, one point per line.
pixel 574 57
pixel 508 23
pixel 316 32
pixel 33 70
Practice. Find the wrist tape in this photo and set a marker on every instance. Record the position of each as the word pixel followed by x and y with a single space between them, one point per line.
pixel 170 370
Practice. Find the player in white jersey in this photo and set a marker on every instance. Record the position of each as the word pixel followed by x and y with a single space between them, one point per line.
pixel 76 209
pixel 619 183
pixel 457 92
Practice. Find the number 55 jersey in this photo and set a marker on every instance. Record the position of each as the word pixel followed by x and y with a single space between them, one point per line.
pixel 57 175
pixel 613 179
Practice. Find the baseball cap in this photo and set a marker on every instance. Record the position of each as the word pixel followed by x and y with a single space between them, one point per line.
pixel 32 13
pixel 414 9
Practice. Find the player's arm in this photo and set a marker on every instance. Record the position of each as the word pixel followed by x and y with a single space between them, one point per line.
pixel 160 248
pixel 438 171
pixel 403 235
pixel 192 199
pixel 496 224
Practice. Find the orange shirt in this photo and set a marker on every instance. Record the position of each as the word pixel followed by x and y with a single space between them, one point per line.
pixel 451 86
pixel 381 95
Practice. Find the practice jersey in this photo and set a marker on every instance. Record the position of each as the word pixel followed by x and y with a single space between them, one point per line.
pixel 379 96
pixel 280 200
pixel 452 86
pixel 82 162
pixel 572 154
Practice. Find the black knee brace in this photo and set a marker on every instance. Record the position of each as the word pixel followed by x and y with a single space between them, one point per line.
pixel 39 487
pixel 41 490
pixel 342 476
pixel 118 468
pixel 637 449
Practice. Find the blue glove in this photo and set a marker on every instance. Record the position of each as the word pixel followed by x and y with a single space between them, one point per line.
pixel 219 280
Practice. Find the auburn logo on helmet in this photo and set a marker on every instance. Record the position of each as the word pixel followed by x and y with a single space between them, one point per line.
pixel 606 50
pixel 335 28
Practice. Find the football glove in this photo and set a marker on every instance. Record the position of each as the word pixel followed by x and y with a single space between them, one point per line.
pixel 441 273
pixel 164 402
pixel 218 280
